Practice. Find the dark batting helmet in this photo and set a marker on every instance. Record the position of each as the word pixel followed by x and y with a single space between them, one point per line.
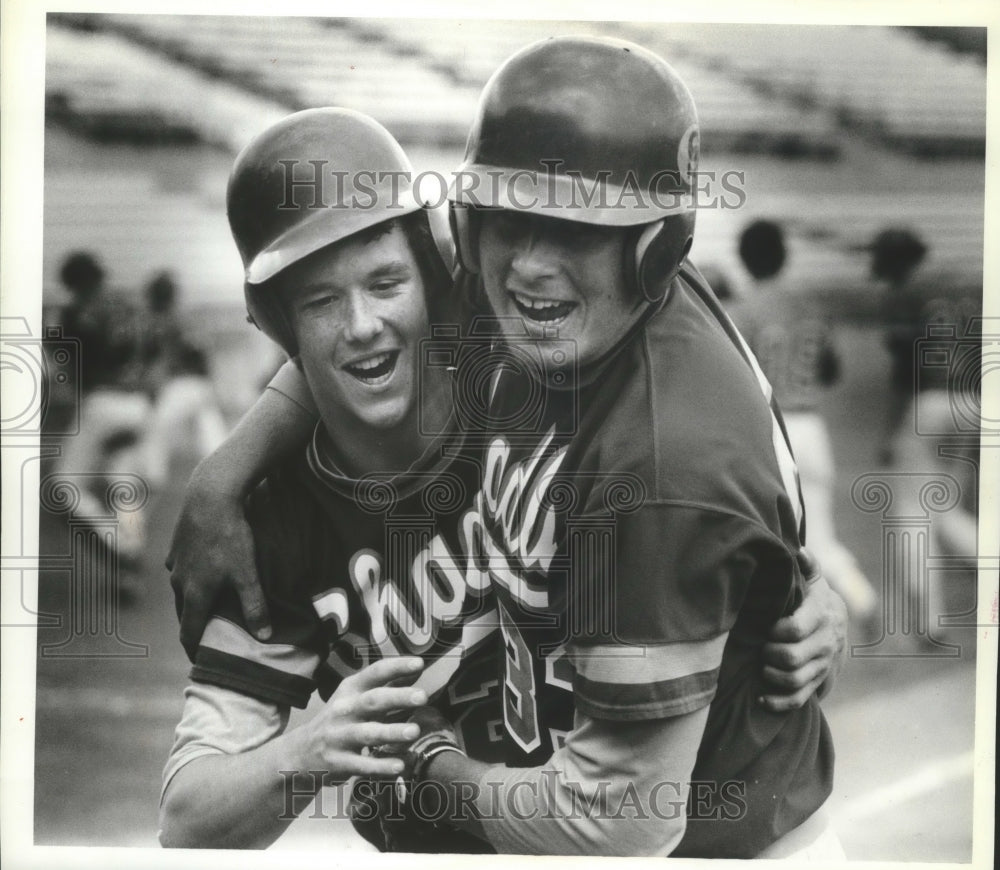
pixel 313 179
pixel 594 130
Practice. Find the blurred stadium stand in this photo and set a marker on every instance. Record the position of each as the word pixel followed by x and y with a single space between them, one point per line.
pixel 113 90
pixel 885 83
pixel 731 113
pixel 841 130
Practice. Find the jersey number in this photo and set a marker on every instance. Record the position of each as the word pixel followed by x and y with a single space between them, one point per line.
pixel 519 711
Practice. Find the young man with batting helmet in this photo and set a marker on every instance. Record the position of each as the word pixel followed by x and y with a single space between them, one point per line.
pixel 634 620
pixel 381 488
pixel 644 526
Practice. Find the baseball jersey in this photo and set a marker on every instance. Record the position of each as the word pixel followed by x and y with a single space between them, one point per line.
pixel 357 570
pixel 642 532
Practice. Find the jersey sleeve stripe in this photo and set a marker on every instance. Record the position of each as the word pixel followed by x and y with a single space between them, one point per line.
pixel 632 702
pixel 251 678
pixel 227 637
pixel 639 664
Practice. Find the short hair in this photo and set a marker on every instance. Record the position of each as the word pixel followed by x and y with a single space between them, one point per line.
pixel 762 249
pixel 896 251
pixel 81 271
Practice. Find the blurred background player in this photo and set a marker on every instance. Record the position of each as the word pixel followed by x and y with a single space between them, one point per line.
pixel 939 444
pixel 794 347
pixel 186 417
pixel 897 253
pixel 115 406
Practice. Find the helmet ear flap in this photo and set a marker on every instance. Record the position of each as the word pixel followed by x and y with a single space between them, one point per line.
pixel 642 245
pixel 465 231
pixel 440 231
pixel 267 313
pixel 659 252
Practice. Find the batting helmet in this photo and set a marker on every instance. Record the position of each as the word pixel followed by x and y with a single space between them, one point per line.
pixel 315 178
pixel 594 130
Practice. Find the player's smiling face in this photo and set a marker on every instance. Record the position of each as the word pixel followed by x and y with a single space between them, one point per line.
pixel 359 312
pixel 561 279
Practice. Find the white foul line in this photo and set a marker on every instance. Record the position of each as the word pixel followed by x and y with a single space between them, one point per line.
pixel 928 778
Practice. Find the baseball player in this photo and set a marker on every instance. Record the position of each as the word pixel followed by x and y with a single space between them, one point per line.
pixel 897 253
pixel 797 355
pixel 354 535
pixel 635 604
pixel 115 405
pixel 922 397
pixel 623 319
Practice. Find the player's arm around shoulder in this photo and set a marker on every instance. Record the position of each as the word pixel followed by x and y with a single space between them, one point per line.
pixel 212 547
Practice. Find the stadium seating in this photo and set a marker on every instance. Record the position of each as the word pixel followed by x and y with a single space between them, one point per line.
pixel 913 95
pixel 304 62
pixel 138 226
pixel 775 91
pixel 112 89
pixel 421 78
pixel 732 115
pixel 758 87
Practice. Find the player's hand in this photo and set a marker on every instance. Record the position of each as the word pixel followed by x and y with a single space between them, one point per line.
pixel 212 546
pixel 434 731
pixel 384 811
pixel 806 649
pixel 339 738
